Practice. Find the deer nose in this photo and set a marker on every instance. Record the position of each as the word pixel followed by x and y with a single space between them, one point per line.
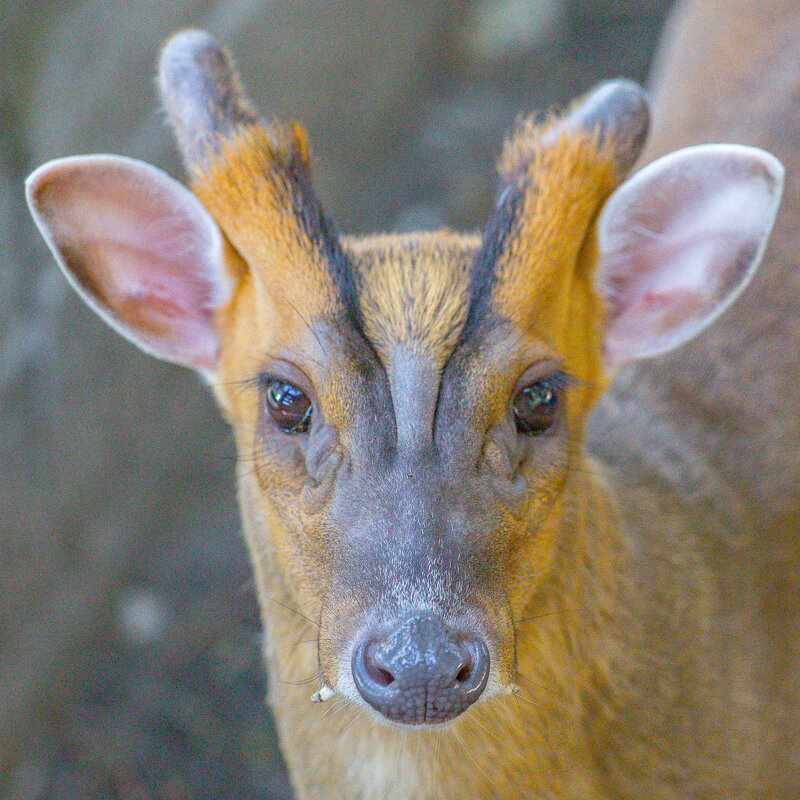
pixel 421 673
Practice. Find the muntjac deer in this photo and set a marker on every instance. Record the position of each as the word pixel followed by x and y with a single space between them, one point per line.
pixel 492 613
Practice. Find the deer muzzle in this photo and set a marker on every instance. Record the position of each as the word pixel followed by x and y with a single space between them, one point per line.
pixel 422 672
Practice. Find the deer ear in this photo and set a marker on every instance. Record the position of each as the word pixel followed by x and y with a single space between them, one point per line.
pixel 678 241
pixel 139 248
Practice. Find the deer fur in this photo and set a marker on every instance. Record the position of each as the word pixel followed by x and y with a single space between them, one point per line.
pixel 713 426
pixel 619 666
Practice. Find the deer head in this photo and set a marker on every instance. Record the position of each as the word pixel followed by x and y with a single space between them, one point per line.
pixel 408 410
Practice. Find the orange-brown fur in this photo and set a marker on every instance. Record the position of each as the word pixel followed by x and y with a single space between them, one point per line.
pixel 432 542
pixel 620 691
pixel 523 745
pixel 247 190
pixel 536 272
pixel 567 586
pixel 561 583
pixel 415 290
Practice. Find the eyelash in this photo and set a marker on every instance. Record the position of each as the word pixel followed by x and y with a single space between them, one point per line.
pixel 558 380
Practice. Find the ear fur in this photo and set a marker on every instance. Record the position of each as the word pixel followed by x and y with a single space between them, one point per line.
pixel 139 248
pixel 679 241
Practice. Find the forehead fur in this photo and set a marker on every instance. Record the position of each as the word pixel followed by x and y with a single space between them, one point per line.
pixel 413 290
pixel 416 291
pixel 258 190
pixel 556 181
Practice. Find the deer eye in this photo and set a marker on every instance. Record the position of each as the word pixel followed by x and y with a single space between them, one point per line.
pixel 288 406
pixel 535 406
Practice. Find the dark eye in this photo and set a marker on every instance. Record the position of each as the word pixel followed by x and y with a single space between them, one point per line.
pixel 288 406
pixel 535 406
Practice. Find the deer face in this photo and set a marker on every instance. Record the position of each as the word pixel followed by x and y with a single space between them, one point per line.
pixel 411 409
pixel 407 409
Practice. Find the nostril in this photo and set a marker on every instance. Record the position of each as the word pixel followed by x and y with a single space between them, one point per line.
pixel 474 675
pixel 464 673
pixel 382 677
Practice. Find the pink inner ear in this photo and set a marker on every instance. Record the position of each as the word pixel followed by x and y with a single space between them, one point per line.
pixel 678 243
pixel 140 249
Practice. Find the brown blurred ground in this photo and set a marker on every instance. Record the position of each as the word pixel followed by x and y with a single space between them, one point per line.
pixel 129 660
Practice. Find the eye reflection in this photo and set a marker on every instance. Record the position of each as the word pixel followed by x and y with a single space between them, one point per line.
pixel 536 406
pixel 288 405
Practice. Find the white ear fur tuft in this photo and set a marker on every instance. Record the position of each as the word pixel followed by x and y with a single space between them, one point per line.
pixel 679 240
pixel 139 248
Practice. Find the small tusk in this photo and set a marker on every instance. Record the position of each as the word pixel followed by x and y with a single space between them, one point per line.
pixel 325 693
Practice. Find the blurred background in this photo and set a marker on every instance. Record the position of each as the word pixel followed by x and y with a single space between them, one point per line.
pixel 129 637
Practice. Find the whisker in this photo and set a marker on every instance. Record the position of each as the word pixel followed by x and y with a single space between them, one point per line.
pixel 519 696
pixel 338 705
pixel 308 325
pixel 526 682
pixel 510 720
pixel 472 758
pixel 546 614
pixel 306 357
pixel 481 726
pixel 289 608
pixel 346 704
pixel 436 763
pixel 355 718
pixel 314 677
pixel 240 384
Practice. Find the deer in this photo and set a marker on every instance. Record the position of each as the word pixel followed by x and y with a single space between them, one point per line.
pixel 473 579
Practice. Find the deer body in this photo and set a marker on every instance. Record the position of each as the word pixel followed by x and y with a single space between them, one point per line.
pixel 714 426
pixel 486 610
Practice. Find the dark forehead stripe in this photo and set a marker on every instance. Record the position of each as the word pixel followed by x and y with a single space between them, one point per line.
pixel 259 191
pixel 322 233
pixel 553 178
pixel 255 163
pixel 483 275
